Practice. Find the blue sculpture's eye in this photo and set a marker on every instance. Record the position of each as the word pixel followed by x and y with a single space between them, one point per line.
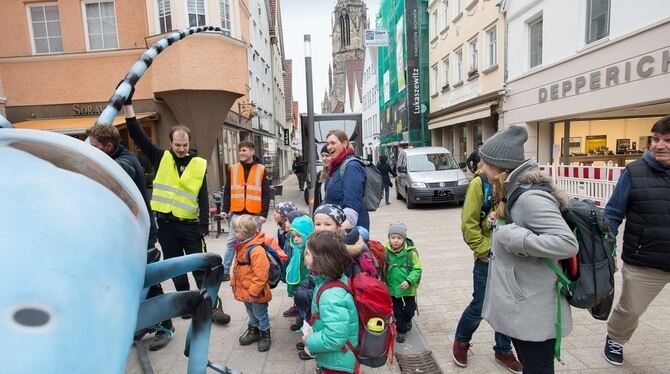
pixel 31 317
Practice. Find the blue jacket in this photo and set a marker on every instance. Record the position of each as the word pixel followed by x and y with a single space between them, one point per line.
pixel 617 205
pixel 348 193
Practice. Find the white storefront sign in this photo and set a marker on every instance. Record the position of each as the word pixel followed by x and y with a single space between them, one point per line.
pixel 376 38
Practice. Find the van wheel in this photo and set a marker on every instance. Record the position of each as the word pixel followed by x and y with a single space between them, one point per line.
pixel 410 203
pixel 398 196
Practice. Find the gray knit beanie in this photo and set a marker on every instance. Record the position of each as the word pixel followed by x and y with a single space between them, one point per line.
pixel 504 150
pixel 398 228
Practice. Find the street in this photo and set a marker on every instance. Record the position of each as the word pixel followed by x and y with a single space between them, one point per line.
pixel 444 292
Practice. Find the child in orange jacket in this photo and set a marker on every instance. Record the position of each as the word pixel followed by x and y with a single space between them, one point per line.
pixel 250 280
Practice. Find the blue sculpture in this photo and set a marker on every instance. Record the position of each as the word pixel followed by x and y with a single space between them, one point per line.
pixel 74 229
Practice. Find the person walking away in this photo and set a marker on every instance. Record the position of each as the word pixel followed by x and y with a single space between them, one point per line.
pixel 247 191
pixel 403 274
pixel 472 162
pixel 299 171
pixel 642 196
pixel 346 192
pixel 520 299
pixel 334 323
pixel 250 280
pixel 385 170
pixel 107 139
pixel 179 199
pixel 477 235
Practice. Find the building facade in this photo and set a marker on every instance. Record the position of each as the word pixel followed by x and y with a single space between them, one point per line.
pixel 65 59
pixel 370 102
pixel 588 87
pixel 466 73
pixel 348 27
pixel 403 76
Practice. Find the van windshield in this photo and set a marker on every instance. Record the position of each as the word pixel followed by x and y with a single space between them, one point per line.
pixel 431 162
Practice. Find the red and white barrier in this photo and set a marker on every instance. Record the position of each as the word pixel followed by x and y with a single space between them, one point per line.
pixel 585 182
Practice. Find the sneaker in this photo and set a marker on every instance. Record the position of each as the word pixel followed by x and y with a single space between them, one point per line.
pixel 300 346
pixel 265 341
pixel 139 334
pixel 291 312
pixel 510 362
pixel 460 353
pixel 225 277
pixel 613 352
pixel 219 317
pixel 304 356
pixel 400 338
pixel 252 335
pixel 161 340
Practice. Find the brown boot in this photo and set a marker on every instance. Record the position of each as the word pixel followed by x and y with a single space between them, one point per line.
pixel 460 353
pixel 510 362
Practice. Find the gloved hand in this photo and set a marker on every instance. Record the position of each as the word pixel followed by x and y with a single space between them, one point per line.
pixel 129 100
pixel 203 229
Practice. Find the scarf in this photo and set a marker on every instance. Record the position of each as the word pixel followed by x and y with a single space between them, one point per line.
pixel 337 161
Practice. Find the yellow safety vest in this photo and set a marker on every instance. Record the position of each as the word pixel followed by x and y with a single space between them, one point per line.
pixel 175 194
pixel 246 195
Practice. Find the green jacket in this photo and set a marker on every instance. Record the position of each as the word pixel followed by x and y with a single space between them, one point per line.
pixel 400 269
pixel 304 227
pixel 475 229
pixel 337 324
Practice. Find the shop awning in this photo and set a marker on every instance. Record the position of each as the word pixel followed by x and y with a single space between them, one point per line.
pixel 465 115
pixel 73 125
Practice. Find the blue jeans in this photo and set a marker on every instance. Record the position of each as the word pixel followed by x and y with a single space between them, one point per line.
pixel 230 252
pixel 472 315
pixel 386 193
pixel 258 315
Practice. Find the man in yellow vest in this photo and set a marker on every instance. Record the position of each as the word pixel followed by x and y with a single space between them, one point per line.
pixel 247 191
pixel 179 199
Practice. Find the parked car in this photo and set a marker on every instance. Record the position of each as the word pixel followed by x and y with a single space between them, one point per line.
pixel 429 175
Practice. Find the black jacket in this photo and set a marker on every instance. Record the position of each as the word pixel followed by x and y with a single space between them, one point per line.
pixel 646 240
pixel 385 169
pixel 155 154
pixel 298 167
pixel 473 160
pixel 265 191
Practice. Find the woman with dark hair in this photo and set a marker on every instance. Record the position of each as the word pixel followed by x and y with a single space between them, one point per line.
pixel 385 169
pixel 346 190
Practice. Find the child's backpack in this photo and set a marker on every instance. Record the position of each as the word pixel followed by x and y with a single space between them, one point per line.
pixel 274 274
pixel 377 328
pixel 377 249
pixel 373 183
pixel 587 279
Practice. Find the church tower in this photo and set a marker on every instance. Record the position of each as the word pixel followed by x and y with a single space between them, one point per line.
pixel 349 22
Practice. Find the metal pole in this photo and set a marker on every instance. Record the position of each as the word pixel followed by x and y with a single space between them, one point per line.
pixel 311 145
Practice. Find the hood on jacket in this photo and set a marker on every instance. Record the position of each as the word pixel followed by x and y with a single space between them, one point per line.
pixel 529 173
pixel 259 239
pixel 354 243
pixel 304 227
pixel 651 161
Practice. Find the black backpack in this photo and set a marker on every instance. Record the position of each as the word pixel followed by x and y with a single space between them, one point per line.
pixel 587 279
pixel 275 272
pixel 373 183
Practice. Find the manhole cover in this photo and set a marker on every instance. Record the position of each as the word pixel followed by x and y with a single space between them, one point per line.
pixel 414 363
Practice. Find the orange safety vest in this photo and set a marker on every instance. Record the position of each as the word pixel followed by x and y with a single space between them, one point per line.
pixel 246 195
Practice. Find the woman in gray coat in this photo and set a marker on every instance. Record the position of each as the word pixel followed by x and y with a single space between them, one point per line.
pixel 521 299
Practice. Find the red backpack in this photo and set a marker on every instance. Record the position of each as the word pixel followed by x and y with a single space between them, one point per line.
pixel 372 300
pixel 377 249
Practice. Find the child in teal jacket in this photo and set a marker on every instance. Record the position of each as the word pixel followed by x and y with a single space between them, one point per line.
pixel 334 317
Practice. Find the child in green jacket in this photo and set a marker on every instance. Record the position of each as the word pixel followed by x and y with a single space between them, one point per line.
pixel 403 273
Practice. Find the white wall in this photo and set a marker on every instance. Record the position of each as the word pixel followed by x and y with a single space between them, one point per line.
pixel 370 106
pixel 564 27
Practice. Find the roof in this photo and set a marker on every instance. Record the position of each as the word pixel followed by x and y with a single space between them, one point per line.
pixel 71 125
pixel 424 150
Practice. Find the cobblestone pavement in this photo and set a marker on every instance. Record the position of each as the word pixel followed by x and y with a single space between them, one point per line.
pixel 445 291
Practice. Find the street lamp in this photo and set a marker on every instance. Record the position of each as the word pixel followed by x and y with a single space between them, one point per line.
pixel 311 146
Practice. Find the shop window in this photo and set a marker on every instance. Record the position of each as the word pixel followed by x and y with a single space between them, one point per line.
pixel 478 133
pixel 100 25
pixel 196 13
pixel 45 28
pixel 164 16
pixel 535 42
pixel 492 46
pixel 597 20
pixel 463 137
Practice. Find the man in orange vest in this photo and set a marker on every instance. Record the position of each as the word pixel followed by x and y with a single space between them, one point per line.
pixel 247 191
